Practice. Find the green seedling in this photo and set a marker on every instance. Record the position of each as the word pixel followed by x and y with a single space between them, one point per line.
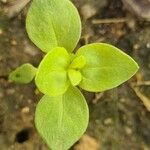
pixel 62 114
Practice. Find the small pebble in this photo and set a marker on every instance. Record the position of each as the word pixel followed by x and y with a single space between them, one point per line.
pixel 29 50
pixel 148 45
pixel 29 101
pixel 128 130
pixel 88 11
pixel 122 100
pixel 25 110
pixel 131 23
pixel 13 42
pixel 136 46
pixel 108 121
pixel 12 147
pixel 1 31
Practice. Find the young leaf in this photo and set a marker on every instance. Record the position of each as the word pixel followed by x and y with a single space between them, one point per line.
pixel 74 76
pixel 62 120
pixel 106 67
pixel 78 62
pixel 52 23
pixel 51 77
pixel 23 74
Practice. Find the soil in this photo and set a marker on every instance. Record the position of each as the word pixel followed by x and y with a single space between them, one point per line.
pixel 119 118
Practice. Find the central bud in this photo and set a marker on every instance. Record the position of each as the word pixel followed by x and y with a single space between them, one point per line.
pixel 74 69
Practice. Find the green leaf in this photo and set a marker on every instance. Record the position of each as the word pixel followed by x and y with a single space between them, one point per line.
pixel 52 23
pixel 62 120
pixel 51 77
pixel 23 74
pixel 106 67
pixel 78 62
pixel 74 76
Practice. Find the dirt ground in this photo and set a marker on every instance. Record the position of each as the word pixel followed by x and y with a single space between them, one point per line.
pixel 119 118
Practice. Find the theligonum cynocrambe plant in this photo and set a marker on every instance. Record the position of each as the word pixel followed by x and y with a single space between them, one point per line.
pixel 62 114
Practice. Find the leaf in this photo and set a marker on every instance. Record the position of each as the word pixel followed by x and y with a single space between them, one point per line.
pixel 23 74
pixel 51 77
pixel 53 23
pixel 106 67
pixel 78 62
pixel 74 76
pixel 62 120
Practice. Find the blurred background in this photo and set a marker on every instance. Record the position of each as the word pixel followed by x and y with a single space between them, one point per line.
pixel 119 118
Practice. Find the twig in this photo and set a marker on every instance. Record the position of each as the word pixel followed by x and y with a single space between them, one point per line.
pixel 142 97
pixel 108 21
pixel 139 83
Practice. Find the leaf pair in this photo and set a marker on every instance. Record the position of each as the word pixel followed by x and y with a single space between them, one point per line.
pixel 95 67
